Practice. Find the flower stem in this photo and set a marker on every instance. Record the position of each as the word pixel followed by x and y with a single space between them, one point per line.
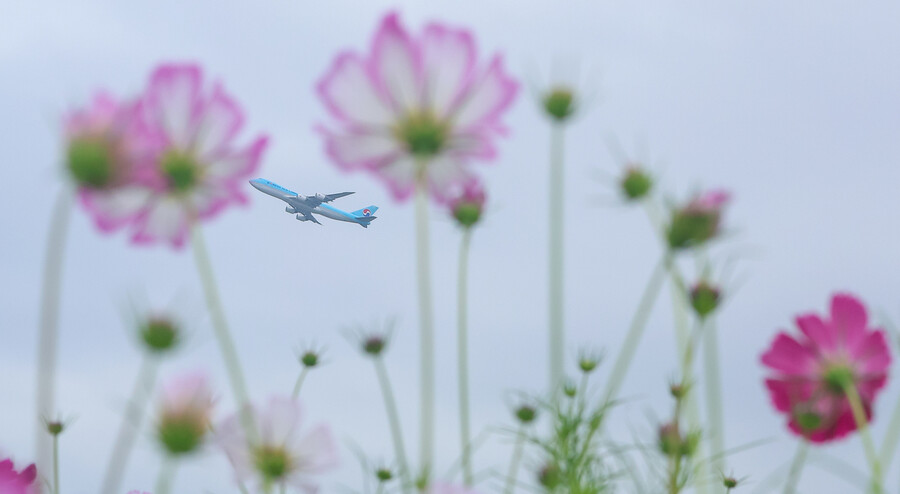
pixel 518 449
pixel 713 387
pixel 556 264
pixel 166 476
pixel 49 319
pixel 296 393
pixel 463 356
pixel 56 463
pixel 131 422
pixel 426 326
pixel 889 445
pixel 390 405
pixel 635 331
pixel 223 335
pixel 862 423
pixel 796 467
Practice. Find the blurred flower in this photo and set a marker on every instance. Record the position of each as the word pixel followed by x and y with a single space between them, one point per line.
pixel 281 455
pixel 698 221
pixel 671 442
pixel 13 482
pixel 415 108
pixel 194 169
pixel 705 298
pixel 101 159
pixel 813 370
pixel 526 414
pixel 184 413
pixel 468 203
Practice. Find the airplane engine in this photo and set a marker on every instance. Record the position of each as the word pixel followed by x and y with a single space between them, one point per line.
pixel 300 217
pixel 289 209
pixel 320 197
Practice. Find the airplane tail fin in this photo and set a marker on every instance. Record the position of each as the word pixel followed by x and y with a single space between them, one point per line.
pixel 366 212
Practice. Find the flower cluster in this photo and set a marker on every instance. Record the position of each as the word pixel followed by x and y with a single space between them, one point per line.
pixel 159 162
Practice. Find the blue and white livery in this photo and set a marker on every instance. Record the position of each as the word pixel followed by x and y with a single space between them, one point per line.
pixel 305 206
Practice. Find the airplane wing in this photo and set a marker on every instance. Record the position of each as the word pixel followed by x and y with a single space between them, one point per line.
pixel 307 216
pixel 331 197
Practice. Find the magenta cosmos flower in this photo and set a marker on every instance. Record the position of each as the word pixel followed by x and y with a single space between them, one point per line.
pixel 415 108
pixel 101 157
pixel 13 482
pixel 698 221
pixel 283 454
pixel 812 370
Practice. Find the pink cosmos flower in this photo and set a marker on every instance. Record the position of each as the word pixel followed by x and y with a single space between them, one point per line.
pixel 12 482
pixel 811 370
pixel 415 108
pixel 101 141
pixel 185 410
pixel 193 167
pixel 282 455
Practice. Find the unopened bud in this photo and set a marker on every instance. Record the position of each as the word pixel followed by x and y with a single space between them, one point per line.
pixel 384 474
pixel 309 358
pixel 159 334
pixel 636 184
pixel 697 222
pixel 374 345
pixel 729 482
pixel 559 103
pixel 704 298
pixel 550 476
pixel 526 414
pixel 55 427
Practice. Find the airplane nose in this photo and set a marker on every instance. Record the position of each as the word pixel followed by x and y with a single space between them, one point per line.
pixel 256 185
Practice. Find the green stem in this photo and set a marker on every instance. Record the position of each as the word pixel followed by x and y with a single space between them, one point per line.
pixel 796 467
pixel 426 325
pixel 48 327
pixel 555 285
pixel 296 393
pixel 223 335
pixel 131 422
pixel 713 387
pixel 518 450
pixel 390 406
pixel 635 331
pixel 891 438
pixel 56 463
pixel 166 476
pixel 862 423
pixel 463 356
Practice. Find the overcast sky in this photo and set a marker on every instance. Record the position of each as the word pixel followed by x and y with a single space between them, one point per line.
pixel 794 106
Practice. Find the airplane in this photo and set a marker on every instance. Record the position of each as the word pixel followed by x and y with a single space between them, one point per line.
pixel 305 206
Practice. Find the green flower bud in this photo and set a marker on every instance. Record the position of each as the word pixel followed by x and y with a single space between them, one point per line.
pixel 729 482
pixel 374 345
pixel 180 435
pixel 159 334
pixel 808 420
pixel 55 427
pixel 569 390
pixel 704 298
pixel 526 414
pixel 467 213
pixel 559 103
pixel 588 363
pixel 384 474
pixel 636 184
pixel 550 477
pixel 309 358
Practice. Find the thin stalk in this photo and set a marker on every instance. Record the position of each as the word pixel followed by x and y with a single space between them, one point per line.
pixel 463 356
pixel 635 331
pixel 713 387
pixel 862 423
pixel 518 450
pixel 891 438
pixel 555 285
pixel 390 405
pixel 426 325
pixel 223 335
pixel 296 393
pixel 56 463
pixel 796 467
pixel 166 476
pixel 48 326
pixel 131 422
